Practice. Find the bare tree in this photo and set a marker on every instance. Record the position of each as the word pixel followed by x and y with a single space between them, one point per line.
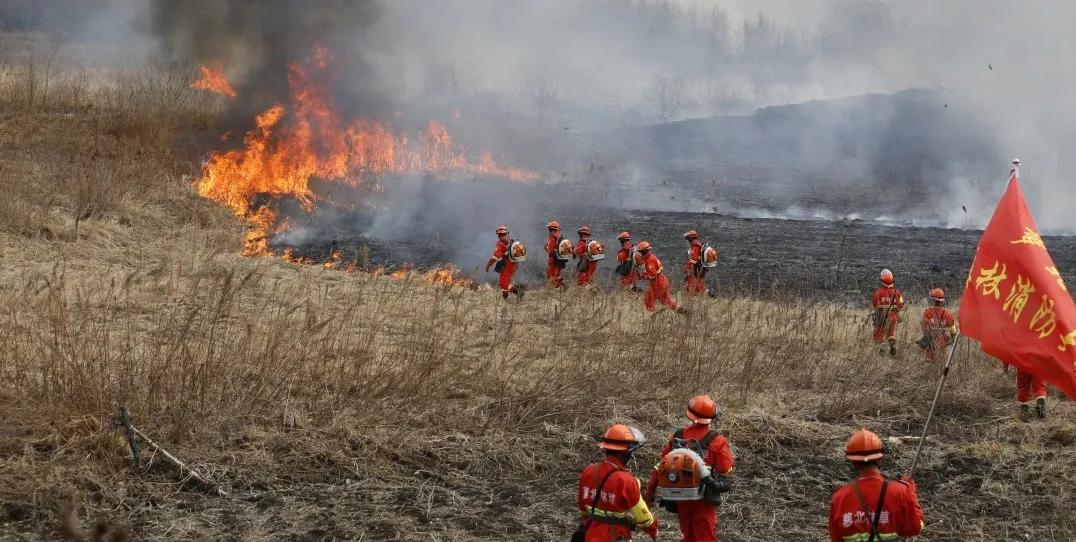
pixel 724 99
pixel 542 88
pixel 667 94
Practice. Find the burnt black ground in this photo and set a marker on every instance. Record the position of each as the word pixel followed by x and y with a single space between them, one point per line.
pixel 759 256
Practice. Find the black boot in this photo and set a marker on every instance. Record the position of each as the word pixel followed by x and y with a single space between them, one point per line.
pixel 519 290
pixel 1040 407
pixel 892 347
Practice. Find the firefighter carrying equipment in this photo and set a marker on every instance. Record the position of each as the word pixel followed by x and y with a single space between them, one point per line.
pixel 864 445
pixel 683 474
pixel 611 504
pixel 709 257
pixel 517 252
pixel 595 251
pixel 680 475
pixel 637 258
pixel 564 251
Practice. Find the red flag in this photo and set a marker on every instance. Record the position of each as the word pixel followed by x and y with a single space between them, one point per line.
pixel 1015 302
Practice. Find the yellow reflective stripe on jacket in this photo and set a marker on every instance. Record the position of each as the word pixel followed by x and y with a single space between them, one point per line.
pixel 864 537
pixel 637 516
pixel 641 513
pixel 605 516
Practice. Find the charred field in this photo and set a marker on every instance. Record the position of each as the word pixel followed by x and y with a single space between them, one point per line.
pixel 761 257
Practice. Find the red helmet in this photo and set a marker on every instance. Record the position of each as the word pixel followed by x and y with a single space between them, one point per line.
pixel 583 230
pixel 691 234
pixel 502 230
pixel 937 294
pixel 864 445
pixel 702 409
pixel 553 225
pixel 621 438
pixel 887 277
pixel 643 246
pixel 624 236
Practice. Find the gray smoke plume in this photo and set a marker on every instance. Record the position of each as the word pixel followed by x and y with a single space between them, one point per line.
pixel 255 41
pixel 796 108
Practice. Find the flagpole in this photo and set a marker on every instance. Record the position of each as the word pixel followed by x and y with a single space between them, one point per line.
pixel 930 414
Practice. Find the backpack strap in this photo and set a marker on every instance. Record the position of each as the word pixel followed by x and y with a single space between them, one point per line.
pixel 598 493
pixel 678 435
pixel 877 510
pixel 705 442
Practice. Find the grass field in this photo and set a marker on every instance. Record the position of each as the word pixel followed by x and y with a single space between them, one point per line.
pixel 360 406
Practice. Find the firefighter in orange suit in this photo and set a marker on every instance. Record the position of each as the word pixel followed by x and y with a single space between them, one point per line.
pixel 609 498
pixel 854 512
pixel 694 272
pixel 505 266
pixel 938 326
pixel 586 267
pixel 627 282
pixel 653 272
pixel 1028 387
pixel 698 519
pixel 553 265
pixel 888 301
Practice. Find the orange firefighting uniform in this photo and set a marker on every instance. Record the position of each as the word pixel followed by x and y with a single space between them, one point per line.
pixel 1029 387
pixel 698 519
pixel 619 509
pixel 586 276
pixel 623 255
pixel 505 278
pixel 850 520
pixel 694 273
pixel 938 326
pixel 887 298
pixel 552 269
pixel 659 284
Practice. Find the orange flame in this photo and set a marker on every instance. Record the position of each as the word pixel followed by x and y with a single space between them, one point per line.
pixel 440 276
pixel 307 140
pixel 213 80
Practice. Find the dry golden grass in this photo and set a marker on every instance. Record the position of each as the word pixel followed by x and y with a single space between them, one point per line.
pixel 359 406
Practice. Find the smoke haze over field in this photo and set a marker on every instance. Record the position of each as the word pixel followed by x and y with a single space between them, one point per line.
pixel 546 83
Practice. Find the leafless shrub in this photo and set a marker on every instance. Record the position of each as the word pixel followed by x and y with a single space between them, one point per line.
pixel 667 94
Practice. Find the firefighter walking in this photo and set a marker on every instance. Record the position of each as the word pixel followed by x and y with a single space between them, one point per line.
pixel 698 517
pixel 938 325
pixel 586 266
pixel 625 266
pixel 871 507
pixel 1030 388
pixel 887 302
pixel 654 273
pixel 694 271
pixel 609 498
pixel 504 262
pixel 554 265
